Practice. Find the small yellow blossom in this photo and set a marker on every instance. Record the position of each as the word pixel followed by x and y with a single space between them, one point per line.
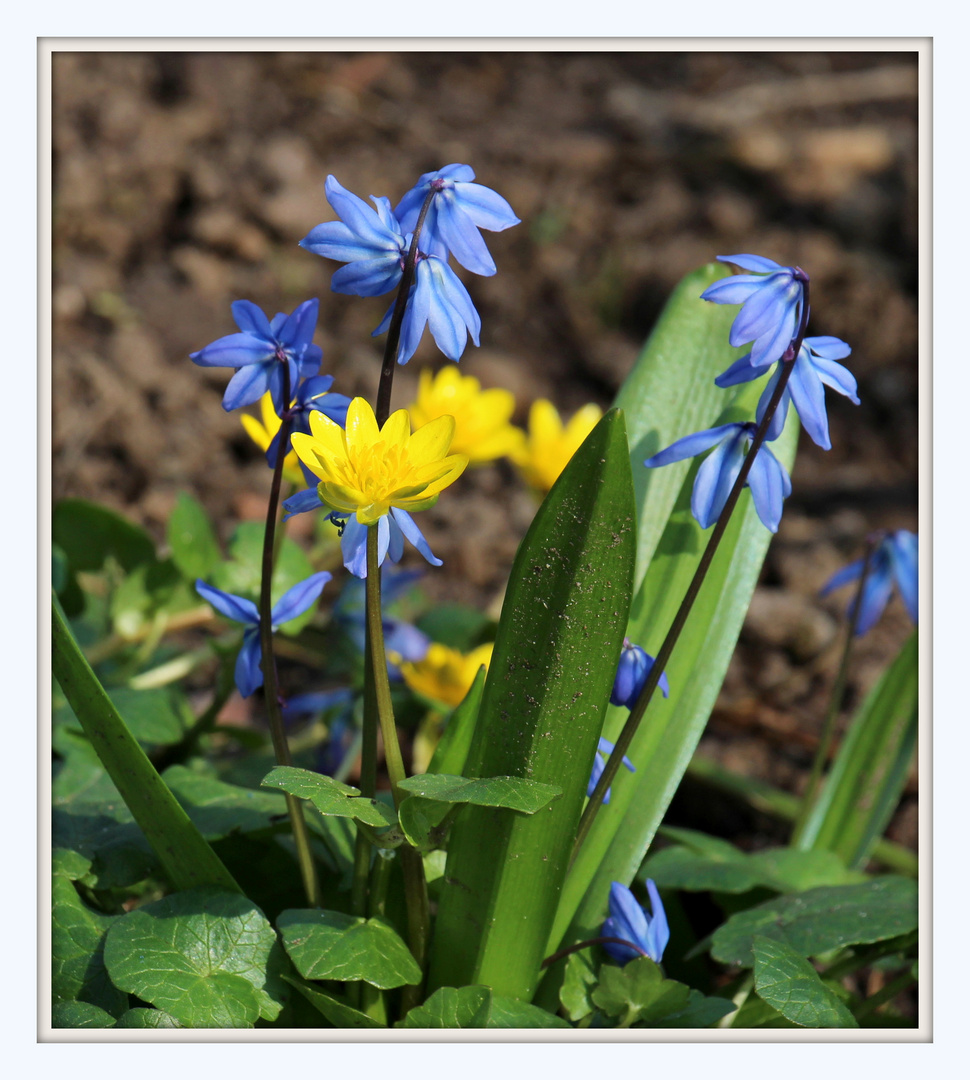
pixel 482 429
pixel 549 445
pixel 262 435
pixel 446 675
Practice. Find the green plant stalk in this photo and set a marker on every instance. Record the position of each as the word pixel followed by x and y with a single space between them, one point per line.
pixel 835 706
pixel 415 886
pixel 301 836
pixel 640 707
pixel 186 857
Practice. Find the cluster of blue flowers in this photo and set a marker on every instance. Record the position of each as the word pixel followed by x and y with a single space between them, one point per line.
pixel 772 319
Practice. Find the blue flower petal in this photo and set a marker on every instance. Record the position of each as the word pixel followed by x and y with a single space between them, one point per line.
pixel 460 235
pixel 353 546
pixel 659 932
pixel 233 607
pixel 234 350
pixel 301 502
pixel 875 594
pixel 808 396
pixel 407 525
pixel 367 276
pixel 248 673
pixel 691 445
pixel 741 371
pixel 760 264
pixel 247 385
pixel 904 554
pixel 296 600
pixel 768 480
pixel 733 290
pixel 716 477
pixel 250 319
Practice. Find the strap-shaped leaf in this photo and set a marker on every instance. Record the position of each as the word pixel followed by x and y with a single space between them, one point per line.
pixel 541 715
pixel 452 749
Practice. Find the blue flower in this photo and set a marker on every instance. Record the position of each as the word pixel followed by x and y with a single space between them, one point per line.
pixel 630 922
pixel 294 602
pixel 312 394
pixel 631 673
pixel 261 349
pixel 768 480
pixel 603 751
pixel 815 368
pixel 771 302
pixel 458 210
pixel 895 560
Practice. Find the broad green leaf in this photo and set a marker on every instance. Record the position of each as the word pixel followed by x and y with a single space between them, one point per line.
pixel 69 864
pixel 329 796
pixel 151 591
pixel 339 1013
pixel 455 625
pixel 155 717
pixel 449 1007
pixel 192 539
pixel 147 1018
pixel 670 394
pixel 218 809
pixel 106 835
pixel 453 746
pixel 540 718
pixel 205 957
pixel 638 993
pixel 421 822
pixel 701 1012
pixel 820 920
pixel 77 952
pixel 80 1014
pixel 579 981
pixel 863 788
pixel 331 945
pixel 506 1012
pixel 88 534
pixel 507 792
pixel 78 775
pixel 182 851
pixel 789 983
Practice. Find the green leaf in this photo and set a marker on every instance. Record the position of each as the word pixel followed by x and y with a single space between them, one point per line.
pixel 477 1007
pixel 106 835
pixel 869 772
pixel 508 792
pixel 151 590
pixel 79 1014
pixel 218 809
pixel 508 1013
pixel 451 752
pixel 701 1012
pixel 540 718
pixel 455 625
pixel 147 1018
pixel 155 717
pixel 329 796
pixel 579 981
pixel 420 820
pixel 339 1013
pixel 204 956
pixel 331 945
pixel 77 952
pixel 69 864
pixel 789 983
pixel 638 993
pixel 88 534
pixel 182 851
pixel 820 920
pixel 192 539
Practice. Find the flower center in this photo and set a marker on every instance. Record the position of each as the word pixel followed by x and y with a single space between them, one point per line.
pixel 381 469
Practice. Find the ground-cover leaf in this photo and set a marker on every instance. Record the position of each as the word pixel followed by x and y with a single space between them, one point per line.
pixel 329 796
pixel 541 715
pixel 477 1007
pixel 823 919
pixel 701 1012
pixel 506 1012
pixel 507 792
pixel 195 549
pixel 77 952
pixel 147 1018
pixel 186 857
pixel 332 945
pixel 151 592
pixel 869 773
pixel 80 1014
pixel 579 981
pixel 452 750
pixel 421 820
pixel 218 809
pixel 156 717
pixel 638 993
pixel 789 983
pixel 456 625
pixel 105 834
pixel 70 864
pixel 339 1013
pixel 208 958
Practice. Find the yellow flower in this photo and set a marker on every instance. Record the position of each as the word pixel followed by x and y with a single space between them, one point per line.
pixel 549 446
pixel 445 674
pixel 482 429
pixel 262 435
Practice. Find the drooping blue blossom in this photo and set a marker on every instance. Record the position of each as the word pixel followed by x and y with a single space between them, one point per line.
pixel 771 299
pixel 311 395
pixel 895 561
pixel 603 751
pixel 261 349
pixel 458 210
pixel 392 530
pixel 767 479
pixel 293 602
pixel 815 368
pixel 627 920
pixel 631 673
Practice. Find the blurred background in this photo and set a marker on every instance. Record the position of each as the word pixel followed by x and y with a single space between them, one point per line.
pixel 183 181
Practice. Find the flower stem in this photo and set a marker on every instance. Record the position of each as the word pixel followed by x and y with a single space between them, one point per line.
pixel 304 855
pixel 415 886
pixel 550 960
pixel 835 707
pixel 612 766
pixel 397 318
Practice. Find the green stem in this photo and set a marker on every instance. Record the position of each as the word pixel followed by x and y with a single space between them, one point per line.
pixel 301 836
pixel 640 706
pixel 415 886
pixel 835 706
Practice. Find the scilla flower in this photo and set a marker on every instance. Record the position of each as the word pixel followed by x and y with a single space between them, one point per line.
pixel 370 476
pixel 294 602
pixel 894 561
pixel 458 210
pixel 549 446
pixel 482 429
pixel 627 920
pixel 631 674
pixel 445 674
pixel 261 349
pixel 815 368
pixel 771 300
pixel 603 751
pixel 768 480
